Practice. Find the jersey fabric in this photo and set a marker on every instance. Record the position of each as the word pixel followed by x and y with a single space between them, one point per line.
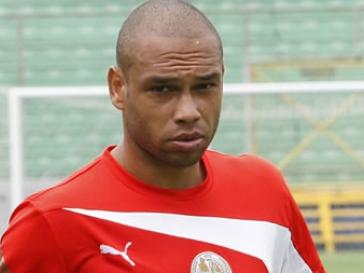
pixel 241 218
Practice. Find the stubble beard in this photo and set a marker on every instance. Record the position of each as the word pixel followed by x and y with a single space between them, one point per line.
pixel 178 159
pixel 159 156
pixel 181 159
pixel 173 159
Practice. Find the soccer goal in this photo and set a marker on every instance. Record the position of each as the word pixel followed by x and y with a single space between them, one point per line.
pixel 313 131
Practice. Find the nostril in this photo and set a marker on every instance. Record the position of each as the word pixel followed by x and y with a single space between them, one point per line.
pixel 187 116
pixel 186 110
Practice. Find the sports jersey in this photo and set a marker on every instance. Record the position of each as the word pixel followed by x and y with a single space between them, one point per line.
pixel 240 219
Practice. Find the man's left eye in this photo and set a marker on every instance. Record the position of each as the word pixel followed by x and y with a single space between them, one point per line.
pixel 205 86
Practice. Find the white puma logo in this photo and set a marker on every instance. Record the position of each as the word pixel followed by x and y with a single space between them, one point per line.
pixel 105 249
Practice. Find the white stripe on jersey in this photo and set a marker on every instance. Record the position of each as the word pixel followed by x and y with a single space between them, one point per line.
pixel 269 242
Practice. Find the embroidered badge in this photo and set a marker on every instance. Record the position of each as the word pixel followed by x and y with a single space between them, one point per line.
pixel 210 262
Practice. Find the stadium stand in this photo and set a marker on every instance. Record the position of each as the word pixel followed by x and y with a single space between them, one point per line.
pixel 47 32
pixel 71 43
pixel 335 219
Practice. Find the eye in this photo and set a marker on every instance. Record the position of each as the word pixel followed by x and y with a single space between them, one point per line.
pixel 160 89
pixel 206 86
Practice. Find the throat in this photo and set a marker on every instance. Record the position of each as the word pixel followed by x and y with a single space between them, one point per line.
pixel 159 175
pixel 179 179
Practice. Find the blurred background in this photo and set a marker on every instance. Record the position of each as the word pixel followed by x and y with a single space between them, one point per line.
pixel 316 138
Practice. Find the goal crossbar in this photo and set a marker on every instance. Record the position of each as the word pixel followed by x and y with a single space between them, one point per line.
pixel 17 94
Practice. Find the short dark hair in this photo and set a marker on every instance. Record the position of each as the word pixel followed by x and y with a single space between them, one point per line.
pixel 169 18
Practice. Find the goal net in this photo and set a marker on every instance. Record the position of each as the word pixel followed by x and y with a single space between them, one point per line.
pixel 313 131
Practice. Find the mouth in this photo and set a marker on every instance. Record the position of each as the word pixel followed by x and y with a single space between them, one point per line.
pixel 187 142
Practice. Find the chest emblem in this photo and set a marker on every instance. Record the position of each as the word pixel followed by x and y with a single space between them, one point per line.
pixel 105 249
pixel 210 262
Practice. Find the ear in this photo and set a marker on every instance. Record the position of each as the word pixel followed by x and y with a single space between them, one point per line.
pixel 117 87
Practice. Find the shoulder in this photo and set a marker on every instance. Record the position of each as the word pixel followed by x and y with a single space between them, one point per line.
pixel 42 215
pixel 249 163
pixel 28 228
pixel 68 191
pixel 33 213
pixel 249 171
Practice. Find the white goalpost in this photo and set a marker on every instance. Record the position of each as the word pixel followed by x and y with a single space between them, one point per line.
pixel 17 96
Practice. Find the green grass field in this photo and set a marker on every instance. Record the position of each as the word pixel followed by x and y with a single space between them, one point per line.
pixel 344 262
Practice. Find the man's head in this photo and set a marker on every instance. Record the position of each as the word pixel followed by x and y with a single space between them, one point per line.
pixel 168 82
pixel 167 18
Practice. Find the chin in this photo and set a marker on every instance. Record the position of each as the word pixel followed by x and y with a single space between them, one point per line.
pixel 184 160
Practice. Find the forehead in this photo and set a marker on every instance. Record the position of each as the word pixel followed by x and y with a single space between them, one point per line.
pixel 176 53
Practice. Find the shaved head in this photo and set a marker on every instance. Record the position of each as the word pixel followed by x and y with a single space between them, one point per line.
pixel 163 18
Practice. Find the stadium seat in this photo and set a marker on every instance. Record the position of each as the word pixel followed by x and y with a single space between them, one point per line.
pixel 72 43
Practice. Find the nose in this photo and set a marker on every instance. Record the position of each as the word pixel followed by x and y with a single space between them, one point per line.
pixel 186 109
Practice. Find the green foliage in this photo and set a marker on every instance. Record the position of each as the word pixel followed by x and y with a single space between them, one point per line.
pixel 344 262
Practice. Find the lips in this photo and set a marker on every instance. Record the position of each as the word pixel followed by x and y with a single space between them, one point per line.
pixel 187 141
pixel 188 136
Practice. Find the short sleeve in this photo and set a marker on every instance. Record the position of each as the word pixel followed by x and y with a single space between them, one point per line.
pixel 302 241
pixel 28 245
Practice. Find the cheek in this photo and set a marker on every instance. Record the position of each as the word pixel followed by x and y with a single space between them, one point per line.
pixel 211 108
pixel 134 120
pixel 145 122
pixel 218 109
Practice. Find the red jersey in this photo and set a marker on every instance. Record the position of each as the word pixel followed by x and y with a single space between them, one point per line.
pixel 242 218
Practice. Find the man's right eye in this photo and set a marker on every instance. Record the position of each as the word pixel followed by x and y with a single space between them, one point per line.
pixel 160 89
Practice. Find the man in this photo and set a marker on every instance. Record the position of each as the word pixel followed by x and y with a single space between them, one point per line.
pixel 159 202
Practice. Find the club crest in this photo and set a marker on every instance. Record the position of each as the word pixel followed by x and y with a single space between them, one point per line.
pixel 210 262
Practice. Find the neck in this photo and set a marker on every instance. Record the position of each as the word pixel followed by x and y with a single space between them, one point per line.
pixel 156 173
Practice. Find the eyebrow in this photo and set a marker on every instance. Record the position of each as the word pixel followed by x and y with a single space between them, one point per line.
pixel 172 79
pixel 161 79
pixel 208 77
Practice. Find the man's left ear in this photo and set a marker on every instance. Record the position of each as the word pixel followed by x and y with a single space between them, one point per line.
pixel 117 87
